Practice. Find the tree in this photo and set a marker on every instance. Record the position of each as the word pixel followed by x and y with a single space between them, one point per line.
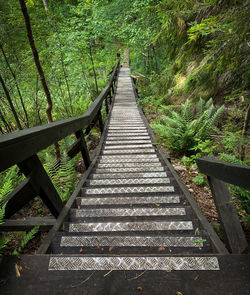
pixel 39 68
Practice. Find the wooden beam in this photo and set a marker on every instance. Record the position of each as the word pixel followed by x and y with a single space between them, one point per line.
pixel 42 184
pixel 233 232
pixel 46 223
pixel 83 148
pixel 19 197
pixel 231 173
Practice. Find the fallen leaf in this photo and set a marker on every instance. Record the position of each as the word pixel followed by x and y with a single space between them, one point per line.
pixel 17 271
pixel 114 201
pixel 78 207
pixel 20 268
pixel 98 246
pixel 200 248
pixel 179 293
pixel 157 205
pixel 161 248
pixel 196 277
pixel 139 288
pixel 81 250
pixel 111 248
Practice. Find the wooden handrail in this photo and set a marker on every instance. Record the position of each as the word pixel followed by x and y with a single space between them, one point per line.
pixel 18 146
pixel 218 173
pixel 21 148
pixel 231 173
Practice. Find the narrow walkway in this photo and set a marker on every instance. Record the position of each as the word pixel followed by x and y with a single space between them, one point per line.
pixel 132 214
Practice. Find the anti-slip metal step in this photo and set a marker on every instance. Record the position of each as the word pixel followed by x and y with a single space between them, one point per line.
pixel 128 175
pixel 129 190
pixel 130 212
pixel 188 263
pixel 131 241
pixel 131 200
pixel 129 165
pixel 126 170
pixel 127 181
pixel 133 226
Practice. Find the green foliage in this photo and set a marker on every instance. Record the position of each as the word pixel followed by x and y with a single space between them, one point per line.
pixel 28 237
pixel 181 129
pixel 64 176
pixel 8 181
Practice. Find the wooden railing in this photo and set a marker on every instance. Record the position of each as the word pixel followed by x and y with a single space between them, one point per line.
pixel 21 148
pixel 218 173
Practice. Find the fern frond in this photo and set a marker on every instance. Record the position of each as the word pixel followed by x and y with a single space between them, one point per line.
pixel 29 236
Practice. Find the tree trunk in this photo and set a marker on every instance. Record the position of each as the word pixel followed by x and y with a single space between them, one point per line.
pixel 155 56
pixel 10 103
pixel 36 103
pixel 7 126
pixel 93 67
pixel 17 87
pixel 66 78
pixel 45 3
pixel 39 69
pixel 244 133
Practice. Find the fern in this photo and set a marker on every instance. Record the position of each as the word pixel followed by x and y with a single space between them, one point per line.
pixel 29 236
pixel 63 177
pixel 182 128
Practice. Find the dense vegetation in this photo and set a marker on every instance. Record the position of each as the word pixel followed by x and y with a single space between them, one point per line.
pixel 191 59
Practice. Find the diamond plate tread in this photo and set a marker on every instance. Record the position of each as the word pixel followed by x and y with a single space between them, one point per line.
pixel 132 160
pixel 129 181
pixel 124 170
pixel 129 165
pixel 123 157
pixel 108 212
pixel 128 175
pixel 129 137
pixel 130 241
pixel 110 147
pixel 129 190
pixel 130 200
pixel 134 263
pixel 132 151
pixel 131 226
pixel 127 142
pixel 127 127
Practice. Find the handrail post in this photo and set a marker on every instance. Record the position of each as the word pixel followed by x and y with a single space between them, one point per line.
pixel 100 121
pixel 84 148
pixel 106 105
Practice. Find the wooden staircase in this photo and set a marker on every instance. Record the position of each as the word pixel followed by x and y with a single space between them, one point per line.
pixel 131 205
pixel 132 225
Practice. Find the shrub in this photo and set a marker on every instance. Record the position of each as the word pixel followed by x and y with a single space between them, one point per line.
pixel 189 123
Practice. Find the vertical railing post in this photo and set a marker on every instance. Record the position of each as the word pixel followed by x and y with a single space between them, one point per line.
pixel 84 148
pixel 106 105
pixel 100 121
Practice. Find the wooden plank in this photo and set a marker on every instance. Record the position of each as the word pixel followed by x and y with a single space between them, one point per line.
pixel 231 279
pixel 231 173
pixel 83 149
pixel 19 197
pixel 42 184
pixel 233 232
pixel 18 146
pixel 46 223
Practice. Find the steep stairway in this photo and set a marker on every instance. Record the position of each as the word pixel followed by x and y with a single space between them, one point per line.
pixel 132 214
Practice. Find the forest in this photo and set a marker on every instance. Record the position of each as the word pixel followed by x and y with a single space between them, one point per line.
pixel 190 59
